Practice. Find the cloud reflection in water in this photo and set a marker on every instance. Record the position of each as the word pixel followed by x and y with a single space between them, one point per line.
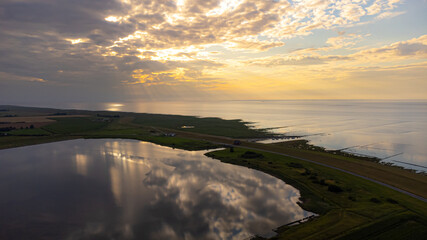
pixel 136 190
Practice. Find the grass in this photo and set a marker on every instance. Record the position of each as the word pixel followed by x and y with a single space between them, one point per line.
pixel 123 128
pixel 350 214
pixel 74 125
pixel 398 226
pixel 211 126
pixel 29 132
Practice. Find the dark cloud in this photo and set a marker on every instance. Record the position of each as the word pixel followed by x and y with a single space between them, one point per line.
pixel 406 49
pixel 297 60
pixel 34 44
pixel 67 18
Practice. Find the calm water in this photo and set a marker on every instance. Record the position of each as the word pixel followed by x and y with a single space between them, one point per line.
pixel 125 189
pixel 395 131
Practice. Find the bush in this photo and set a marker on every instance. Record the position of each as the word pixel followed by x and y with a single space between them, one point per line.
pixel 392 201
pixel 6 129
pixel 375 200
pixel 334 188
pixel 322 182
pixel 249 154
pixel 306 173
pixel 295 165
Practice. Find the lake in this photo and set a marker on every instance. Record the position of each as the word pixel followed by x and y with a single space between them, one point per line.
pixel 392 130
pixel 127 189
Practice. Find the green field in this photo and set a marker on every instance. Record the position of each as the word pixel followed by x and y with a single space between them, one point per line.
pixel 74 125
pixel 211 126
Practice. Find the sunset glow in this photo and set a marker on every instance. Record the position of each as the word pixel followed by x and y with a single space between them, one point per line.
pixel 228 49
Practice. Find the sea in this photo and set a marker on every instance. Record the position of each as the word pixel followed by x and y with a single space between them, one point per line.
pixel 394 131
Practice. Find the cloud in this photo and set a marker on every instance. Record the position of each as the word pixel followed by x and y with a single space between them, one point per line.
pixel 386 15
pixel 352 12
pixel 255 44
pixel 176 73
pixel 342 41
pixel 112 43
pixel 200 23
pixel 290 60
pixel 302 60
pixel 415 48
pixel 379 6
pixel 9 76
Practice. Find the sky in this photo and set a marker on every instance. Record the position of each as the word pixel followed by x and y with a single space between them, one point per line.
pixel 168 50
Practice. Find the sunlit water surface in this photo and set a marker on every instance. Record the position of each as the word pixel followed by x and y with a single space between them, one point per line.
pixel 126 189
pixel 395 131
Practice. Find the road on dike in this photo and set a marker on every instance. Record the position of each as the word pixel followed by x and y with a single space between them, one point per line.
pixel 339 169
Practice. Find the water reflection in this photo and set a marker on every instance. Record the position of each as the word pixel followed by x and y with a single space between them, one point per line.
pixel 81 164
pixel 123 189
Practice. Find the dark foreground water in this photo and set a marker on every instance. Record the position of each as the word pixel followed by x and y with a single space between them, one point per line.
pixel 125 189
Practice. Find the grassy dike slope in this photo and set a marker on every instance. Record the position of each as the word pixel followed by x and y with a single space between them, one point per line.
pixel 349 207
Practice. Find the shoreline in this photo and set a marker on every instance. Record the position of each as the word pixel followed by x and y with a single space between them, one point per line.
pixel 299 186
pixel 222 145
pixel 309 170
pixel 153 128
